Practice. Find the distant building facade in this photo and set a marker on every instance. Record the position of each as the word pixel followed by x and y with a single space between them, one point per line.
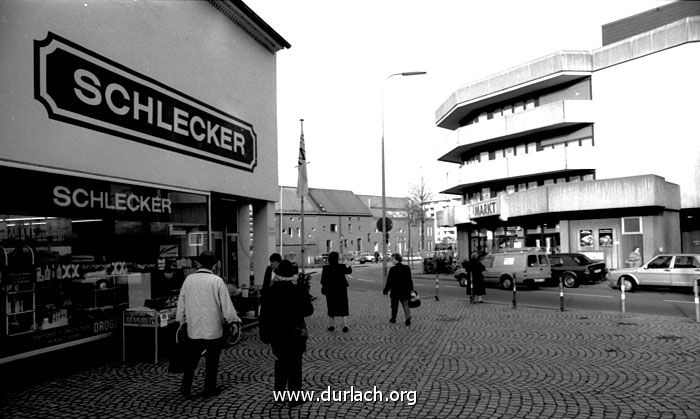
pixel 587 151
pixel 405 236
pixel 340 221
pixel 334 221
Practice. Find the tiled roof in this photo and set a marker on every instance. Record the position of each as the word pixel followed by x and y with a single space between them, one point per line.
pixel 323 201
pixel 393 203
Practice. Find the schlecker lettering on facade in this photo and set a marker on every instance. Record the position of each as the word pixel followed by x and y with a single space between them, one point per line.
pixel 84 198
pixel 80 87
pixel 88 91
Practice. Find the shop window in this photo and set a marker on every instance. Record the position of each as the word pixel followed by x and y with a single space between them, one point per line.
pixel 632 225
pixel 70 264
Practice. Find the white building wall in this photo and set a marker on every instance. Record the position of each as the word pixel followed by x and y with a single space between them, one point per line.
pixel 187 45
pixel 648 119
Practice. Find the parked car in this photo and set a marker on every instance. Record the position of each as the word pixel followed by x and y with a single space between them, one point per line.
pixel 575 269
pixel 365 257
pixel 526 266
pixel 669 270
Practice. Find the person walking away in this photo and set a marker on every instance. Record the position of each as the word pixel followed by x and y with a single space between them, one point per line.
pixel 399 286
pixel 334 286
pixel 634 259
pixel 203 305
pixel 283 327
pixel 476 269
pixel 463 275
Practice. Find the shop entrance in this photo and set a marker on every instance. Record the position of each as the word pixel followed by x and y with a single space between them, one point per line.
pixel 225 229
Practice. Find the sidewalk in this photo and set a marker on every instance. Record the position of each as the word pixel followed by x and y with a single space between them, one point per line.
pixel 462 360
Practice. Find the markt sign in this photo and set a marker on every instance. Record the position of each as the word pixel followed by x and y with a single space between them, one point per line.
pixel 80 87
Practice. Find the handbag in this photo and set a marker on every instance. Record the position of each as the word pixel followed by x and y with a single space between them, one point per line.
pixel 180 352
pixel 232 334
pixel 414 301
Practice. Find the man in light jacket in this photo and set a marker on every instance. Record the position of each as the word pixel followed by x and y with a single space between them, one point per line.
pixel 204 305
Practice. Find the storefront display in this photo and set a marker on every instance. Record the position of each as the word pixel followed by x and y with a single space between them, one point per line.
pixel 75 252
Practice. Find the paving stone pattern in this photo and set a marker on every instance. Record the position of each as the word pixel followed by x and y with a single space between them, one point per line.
pixel 482 360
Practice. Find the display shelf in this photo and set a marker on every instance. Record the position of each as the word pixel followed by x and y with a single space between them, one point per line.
pixel 19 308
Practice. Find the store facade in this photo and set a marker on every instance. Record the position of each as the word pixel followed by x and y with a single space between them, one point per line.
pixel 131 142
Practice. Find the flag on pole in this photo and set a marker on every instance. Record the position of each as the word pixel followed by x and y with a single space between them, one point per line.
pixel 302 181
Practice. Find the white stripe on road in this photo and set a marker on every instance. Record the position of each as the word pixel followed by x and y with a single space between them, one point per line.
pixel 572 293
pixel 365 280
pixel 675 301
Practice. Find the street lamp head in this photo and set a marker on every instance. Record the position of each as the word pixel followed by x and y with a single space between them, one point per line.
pixel 413 73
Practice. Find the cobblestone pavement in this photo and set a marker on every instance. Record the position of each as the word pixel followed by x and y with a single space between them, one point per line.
pixel 482 360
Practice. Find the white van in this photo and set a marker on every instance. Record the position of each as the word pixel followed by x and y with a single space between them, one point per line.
pixel 526 266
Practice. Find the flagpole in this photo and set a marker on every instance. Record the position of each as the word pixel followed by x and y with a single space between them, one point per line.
pixel 302 165
pixel 281 219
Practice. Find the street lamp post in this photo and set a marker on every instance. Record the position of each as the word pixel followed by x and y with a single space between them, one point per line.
pixel 384 256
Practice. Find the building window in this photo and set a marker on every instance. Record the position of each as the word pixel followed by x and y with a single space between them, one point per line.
pixel 632 225
pixel 349 228
pixel 334 228
pixel 298 231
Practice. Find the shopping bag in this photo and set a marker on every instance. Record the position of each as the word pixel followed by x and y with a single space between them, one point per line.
pixel 414 301
pixel 232 333
pixel 178 357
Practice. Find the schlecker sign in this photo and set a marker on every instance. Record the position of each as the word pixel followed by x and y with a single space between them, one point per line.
pixel 81 87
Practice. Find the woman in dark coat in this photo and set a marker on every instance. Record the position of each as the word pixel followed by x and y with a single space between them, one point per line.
pixel 282 324
pixel 476 269
pixel 335 287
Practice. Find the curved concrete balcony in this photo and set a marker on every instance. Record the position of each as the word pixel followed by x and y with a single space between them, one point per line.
pixel 545 161
pixel 551 70
pixel 554 115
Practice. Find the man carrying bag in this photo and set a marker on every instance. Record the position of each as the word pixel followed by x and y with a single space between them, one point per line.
pixel 203 306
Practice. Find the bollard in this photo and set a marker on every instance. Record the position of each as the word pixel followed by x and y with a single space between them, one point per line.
pixel 696 285
pixel 561 294
pixel 437 285
pixel 515 300
pixel 622 294
pixel 471 289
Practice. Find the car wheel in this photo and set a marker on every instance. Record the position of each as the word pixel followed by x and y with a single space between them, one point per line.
pixel 628 283
pixel 507 282
pixel 569 281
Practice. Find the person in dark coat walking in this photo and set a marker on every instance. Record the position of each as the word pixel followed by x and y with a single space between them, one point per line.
pixel 476 270
pixel 334 286
pixel 399 286
pixel 282 324
pixel 275 260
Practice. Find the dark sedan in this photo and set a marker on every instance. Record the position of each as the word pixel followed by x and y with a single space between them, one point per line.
pixel 575 269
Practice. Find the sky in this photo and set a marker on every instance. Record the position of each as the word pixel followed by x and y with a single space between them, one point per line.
pixel 334 76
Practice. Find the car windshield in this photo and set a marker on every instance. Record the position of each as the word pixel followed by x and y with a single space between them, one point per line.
pixel 581 259
pixel 660 262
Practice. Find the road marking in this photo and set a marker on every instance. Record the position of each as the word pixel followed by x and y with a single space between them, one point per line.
pixel 365 280
pixel 572 293
pixel 676 301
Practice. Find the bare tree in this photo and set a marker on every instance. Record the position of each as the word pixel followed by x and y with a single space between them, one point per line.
pixel 419 195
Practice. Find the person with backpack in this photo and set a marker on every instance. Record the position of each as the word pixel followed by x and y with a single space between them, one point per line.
pixel 287 301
